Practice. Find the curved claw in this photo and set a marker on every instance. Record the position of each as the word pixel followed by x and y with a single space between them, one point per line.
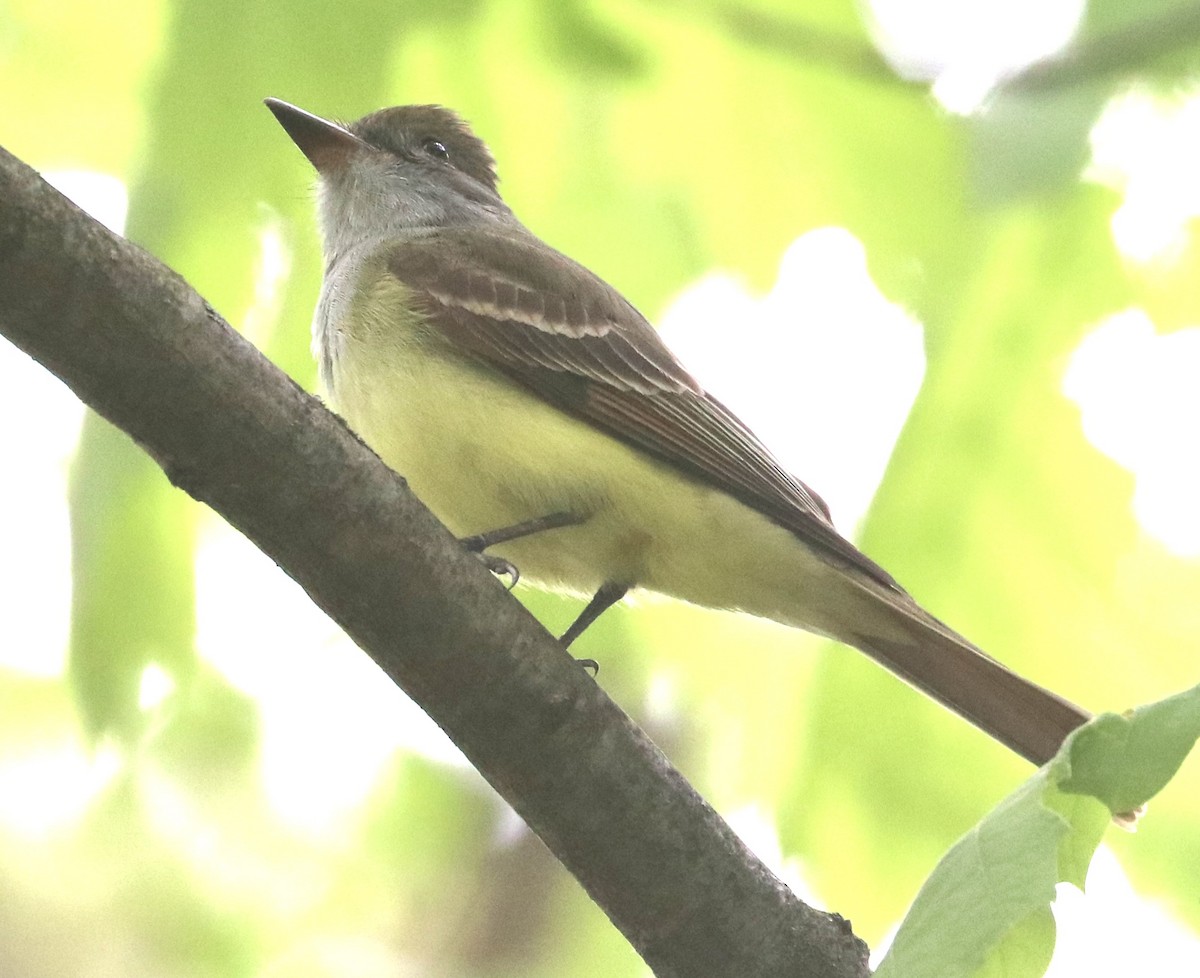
pixel 591 665
pixel 501 568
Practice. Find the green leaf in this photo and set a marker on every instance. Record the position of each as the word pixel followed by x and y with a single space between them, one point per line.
pixel 985 910
pixel 1124 760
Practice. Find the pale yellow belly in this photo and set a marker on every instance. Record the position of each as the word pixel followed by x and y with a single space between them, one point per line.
pixel 482 454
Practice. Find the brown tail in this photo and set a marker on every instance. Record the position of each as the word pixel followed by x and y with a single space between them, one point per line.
pixel 921 650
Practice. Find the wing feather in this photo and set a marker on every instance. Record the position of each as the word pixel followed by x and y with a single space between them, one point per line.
pixel 570 338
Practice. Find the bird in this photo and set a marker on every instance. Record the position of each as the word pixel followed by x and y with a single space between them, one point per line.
pixel 540 416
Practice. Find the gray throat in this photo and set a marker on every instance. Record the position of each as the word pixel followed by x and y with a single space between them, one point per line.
pixel 365 207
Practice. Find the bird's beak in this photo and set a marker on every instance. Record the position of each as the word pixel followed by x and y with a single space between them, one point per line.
pixel 328 146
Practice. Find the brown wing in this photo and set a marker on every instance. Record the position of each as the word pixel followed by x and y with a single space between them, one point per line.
pixel 572 339
pixel 514 298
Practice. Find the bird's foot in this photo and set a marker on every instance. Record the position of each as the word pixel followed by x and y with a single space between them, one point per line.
pixel 501 568
pixel 478 543
pixel 608 595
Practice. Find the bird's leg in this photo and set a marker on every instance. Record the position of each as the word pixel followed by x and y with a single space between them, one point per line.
pixel 552 521
pixel 608 595
pixel 498 565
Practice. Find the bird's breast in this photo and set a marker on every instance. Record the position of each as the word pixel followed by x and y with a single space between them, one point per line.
pixel 478 449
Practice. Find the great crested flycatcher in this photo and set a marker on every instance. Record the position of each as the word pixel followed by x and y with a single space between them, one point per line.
pixel 512 387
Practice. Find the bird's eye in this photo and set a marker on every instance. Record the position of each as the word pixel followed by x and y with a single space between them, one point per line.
pixel 437 150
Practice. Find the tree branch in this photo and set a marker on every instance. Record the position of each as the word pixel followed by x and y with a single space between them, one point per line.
pixel 1120 51
pixel 808 43
pixel 144 350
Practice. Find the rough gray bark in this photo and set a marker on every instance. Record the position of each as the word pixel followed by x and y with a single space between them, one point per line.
pixel 144 350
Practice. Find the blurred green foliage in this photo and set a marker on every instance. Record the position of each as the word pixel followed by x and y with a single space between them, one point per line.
pixel 653 141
